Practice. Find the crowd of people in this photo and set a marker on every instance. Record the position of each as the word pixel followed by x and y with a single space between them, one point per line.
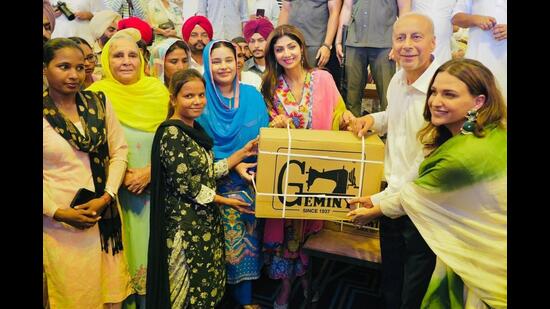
pixel 156 107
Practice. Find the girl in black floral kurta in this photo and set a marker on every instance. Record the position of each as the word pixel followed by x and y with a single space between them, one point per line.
pixel 186 266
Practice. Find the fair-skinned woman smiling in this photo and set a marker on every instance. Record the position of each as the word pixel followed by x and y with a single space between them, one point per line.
pixel 168 57
pixel 233 116
pixel 141 105
pixel 458 202
pixel 191 272
pixel 305 99
pixel 83 147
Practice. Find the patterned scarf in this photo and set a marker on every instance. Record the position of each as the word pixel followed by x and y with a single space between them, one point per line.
pixel 285 103
pixel 91 111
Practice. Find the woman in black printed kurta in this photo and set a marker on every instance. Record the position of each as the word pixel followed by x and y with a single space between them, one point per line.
pixel 186 264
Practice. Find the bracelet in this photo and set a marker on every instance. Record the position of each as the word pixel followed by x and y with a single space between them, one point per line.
pixel 327 46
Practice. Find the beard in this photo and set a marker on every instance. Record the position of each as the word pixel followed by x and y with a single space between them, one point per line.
pixel 104 39
pixel 195 49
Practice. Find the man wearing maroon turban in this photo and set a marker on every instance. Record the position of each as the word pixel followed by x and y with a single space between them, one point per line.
pixel 255 33
pixel 197 32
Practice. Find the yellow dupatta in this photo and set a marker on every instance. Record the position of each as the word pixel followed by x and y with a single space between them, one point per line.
pixel 142 105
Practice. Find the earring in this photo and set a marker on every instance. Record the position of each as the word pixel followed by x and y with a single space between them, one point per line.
pixel 470 124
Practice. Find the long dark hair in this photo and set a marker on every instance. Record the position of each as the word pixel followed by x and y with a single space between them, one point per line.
pixel 480 81
pixel 179 79
pixel 272 69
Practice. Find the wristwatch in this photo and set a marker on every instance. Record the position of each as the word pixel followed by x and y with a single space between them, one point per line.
pixel 327 46
pixel 112 194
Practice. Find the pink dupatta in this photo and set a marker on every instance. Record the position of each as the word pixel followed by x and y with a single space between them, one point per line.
pixel 327 109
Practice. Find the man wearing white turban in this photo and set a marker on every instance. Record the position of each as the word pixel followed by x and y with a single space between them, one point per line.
pixel 103 26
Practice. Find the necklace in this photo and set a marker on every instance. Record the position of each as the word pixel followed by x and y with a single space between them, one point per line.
pixel 297 89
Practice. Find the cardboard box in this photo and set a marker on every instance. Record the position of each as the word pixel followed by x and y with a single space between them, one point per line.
pixel 320 176
pixel 371 229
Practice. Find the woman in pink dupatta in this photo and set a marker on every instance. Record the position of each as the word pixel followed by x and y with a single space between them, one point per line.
pixel 305 99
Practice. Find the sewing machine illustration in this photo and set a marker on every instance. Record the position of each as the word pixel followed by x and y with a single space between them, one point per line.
pixel 339 176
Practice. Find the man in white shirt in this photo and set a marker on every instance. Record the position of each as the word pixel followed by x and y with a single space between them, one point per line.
pixel 83 11
pixel 197 32
pixel 228 16
pixel 407 261
pixel 271 9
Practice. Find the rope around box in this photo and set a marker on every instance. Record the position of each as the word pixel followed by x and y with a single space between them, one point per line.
pixel 288 154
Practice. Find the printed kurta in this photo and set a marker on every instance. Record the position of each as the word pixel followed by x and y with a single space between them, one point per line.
pixel 194 231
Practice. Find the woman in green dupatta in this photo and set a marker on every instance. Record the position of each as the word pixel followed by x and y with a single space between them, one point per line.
pixel 458 202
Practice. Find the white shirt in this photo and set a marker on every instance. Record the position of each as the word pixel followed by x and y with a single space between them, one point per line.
pixel 402 120
pixel 189 8
pixel 65 28
pixel 271 8
pixel 481 44
pixel 440 12
pixel 194 65
pixel 226 17
pixel 251 78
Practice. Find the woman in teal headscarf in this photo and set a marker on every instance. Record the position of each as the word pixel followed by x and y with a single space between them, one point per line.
pixel 233 116
pixel 458 202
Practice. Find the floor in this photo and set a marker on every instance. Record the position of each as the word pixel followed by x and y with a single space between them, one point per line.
pixel 356 288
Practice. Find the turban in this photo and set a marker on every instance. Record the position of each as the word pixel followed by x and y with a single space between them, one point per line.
pixel 259 25
pixel 139 24
pixel 131 34
pixel 191 22
pixel 101 21
pixel 47 10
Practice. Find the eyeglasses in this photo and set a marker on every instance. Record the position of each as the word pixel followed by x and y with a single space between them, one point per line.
pixel 91 58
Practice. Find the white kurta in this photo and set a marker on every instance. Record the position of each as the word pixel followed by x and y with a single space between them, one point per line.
pixel 271 8
pixel 440 12
pixel 189 8
pixel 481 44
pixel 65 28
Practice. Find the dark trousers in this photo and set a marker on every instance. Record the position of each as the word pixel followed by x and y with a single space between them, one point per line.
pixel 356 63
pixel 407 263
pixel 332 66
